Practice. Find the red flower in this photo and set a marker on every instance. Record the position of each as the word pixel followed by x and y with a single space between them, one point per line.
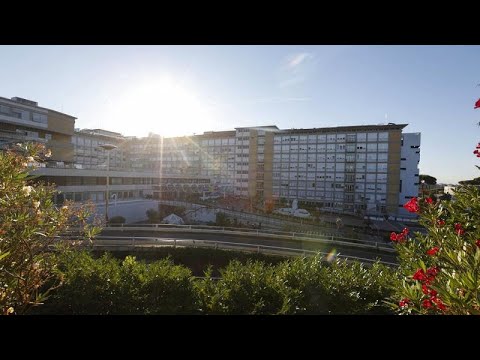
pixel 429 200
pixel 438 302
pixel 426 304
pixel 412 205
pixel 433 271
pixel 477 242
pixel 425 289
pixel 405 231
pixel 404 302
pixel 440 223
pixel 432 251
pixel 419 275
pixel 397 237
pixel 442 306
pixel 458 229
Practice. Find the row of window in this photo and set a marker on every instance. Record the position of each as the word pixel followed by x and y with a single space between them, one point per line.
pixel 312 167
pixel 362 198
pixel 371 147
pixel 321 138
pixel 23 114
pixel 357 187
pixel 97 196
pixel 331 176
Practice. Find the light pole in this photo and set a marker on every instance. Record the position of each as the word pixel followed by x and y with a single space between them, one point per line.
pixel 107 147
pixel 423 187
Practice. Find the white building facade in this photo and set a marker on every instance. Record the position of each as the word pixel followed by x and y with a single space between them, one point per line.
pixel 409 172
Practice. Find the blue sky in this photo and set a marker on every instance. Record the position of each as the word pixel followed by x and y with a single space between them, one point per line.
pixel 181 90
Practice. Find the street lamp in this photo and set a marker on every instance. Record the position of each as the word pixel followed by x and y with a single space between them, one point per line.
pixel 423 187
pixel 107 147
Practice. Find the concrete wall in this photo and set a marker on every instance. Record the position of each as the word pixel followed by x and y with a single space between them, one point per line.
pixel 202 215
pixel 132 210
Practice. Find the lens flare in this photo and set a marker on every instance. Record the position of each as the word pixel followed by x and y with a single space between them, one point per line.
pixel 331 255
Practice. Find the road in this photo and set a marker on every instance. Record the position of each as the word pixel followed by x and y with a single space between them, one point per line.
pixel 271 222
pixel 239 239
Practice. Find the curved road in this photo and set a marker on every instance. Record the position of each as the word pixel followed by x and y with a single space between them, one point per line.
pixel 239 239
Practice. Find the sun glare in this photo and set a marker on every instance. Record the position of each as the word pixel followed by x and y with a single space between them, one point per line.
pixel 162 106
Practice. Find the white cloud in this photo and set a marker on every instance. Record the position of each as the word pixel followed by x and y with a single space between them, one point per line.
pixel 295 69
pixel 297 59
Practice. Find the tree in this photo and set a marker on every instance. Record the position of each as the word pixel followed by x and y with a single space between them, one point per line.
pixel 29 225
pixel 153 216
pixel 117 220
pixel 222 220
pixel 429 180
pixel 475 181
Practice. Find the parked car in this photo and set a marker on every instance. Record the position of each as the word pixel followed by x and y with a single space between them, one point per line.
pixel 301 213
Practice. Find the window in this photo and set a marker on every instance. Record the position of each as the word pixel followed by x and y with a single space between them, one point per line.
pixel 382 167
pixel 383 136
pixel 350 148
pixel 360 157
pixel 40 118
pixel 331 138
pixel 372 137
pixel 361 137
pixel 382 157
pixel 383 147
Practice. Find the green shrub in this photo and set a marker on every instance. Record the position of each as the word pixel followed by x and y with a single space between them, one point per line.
pixel 117 220
pixel 108 286
pixel 317 287
pixel 250 288
pixel 296 286
pixel 153 216
pixel 90 285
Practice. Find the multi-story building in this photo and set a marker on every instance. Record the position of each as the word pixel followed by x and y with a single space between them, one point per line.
pixel 352 169
pixel 24 120
pixel 78 163
pixel 364 170
pixel 409 174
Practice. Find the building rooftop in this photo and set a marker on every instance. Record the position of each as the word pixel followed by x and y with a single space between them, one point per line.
pixel 100 132
pixel 25 102
pixel 389 126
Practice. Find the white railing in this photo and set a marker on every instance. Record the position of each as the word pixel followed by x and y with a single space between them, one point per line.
pixel 253 233
pixel 136 242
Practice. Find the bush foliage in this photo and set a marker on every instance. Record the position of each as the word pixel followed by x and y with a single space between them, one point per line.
pixel 440 270
pixel 29 226
pixel 298 286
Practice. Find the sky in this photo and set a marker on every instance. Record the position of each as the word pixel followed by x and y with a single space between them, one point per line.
pixel 185 90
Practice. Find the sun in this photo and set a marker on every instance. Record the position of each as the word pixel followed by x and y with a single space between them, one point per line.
pixel 162 106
